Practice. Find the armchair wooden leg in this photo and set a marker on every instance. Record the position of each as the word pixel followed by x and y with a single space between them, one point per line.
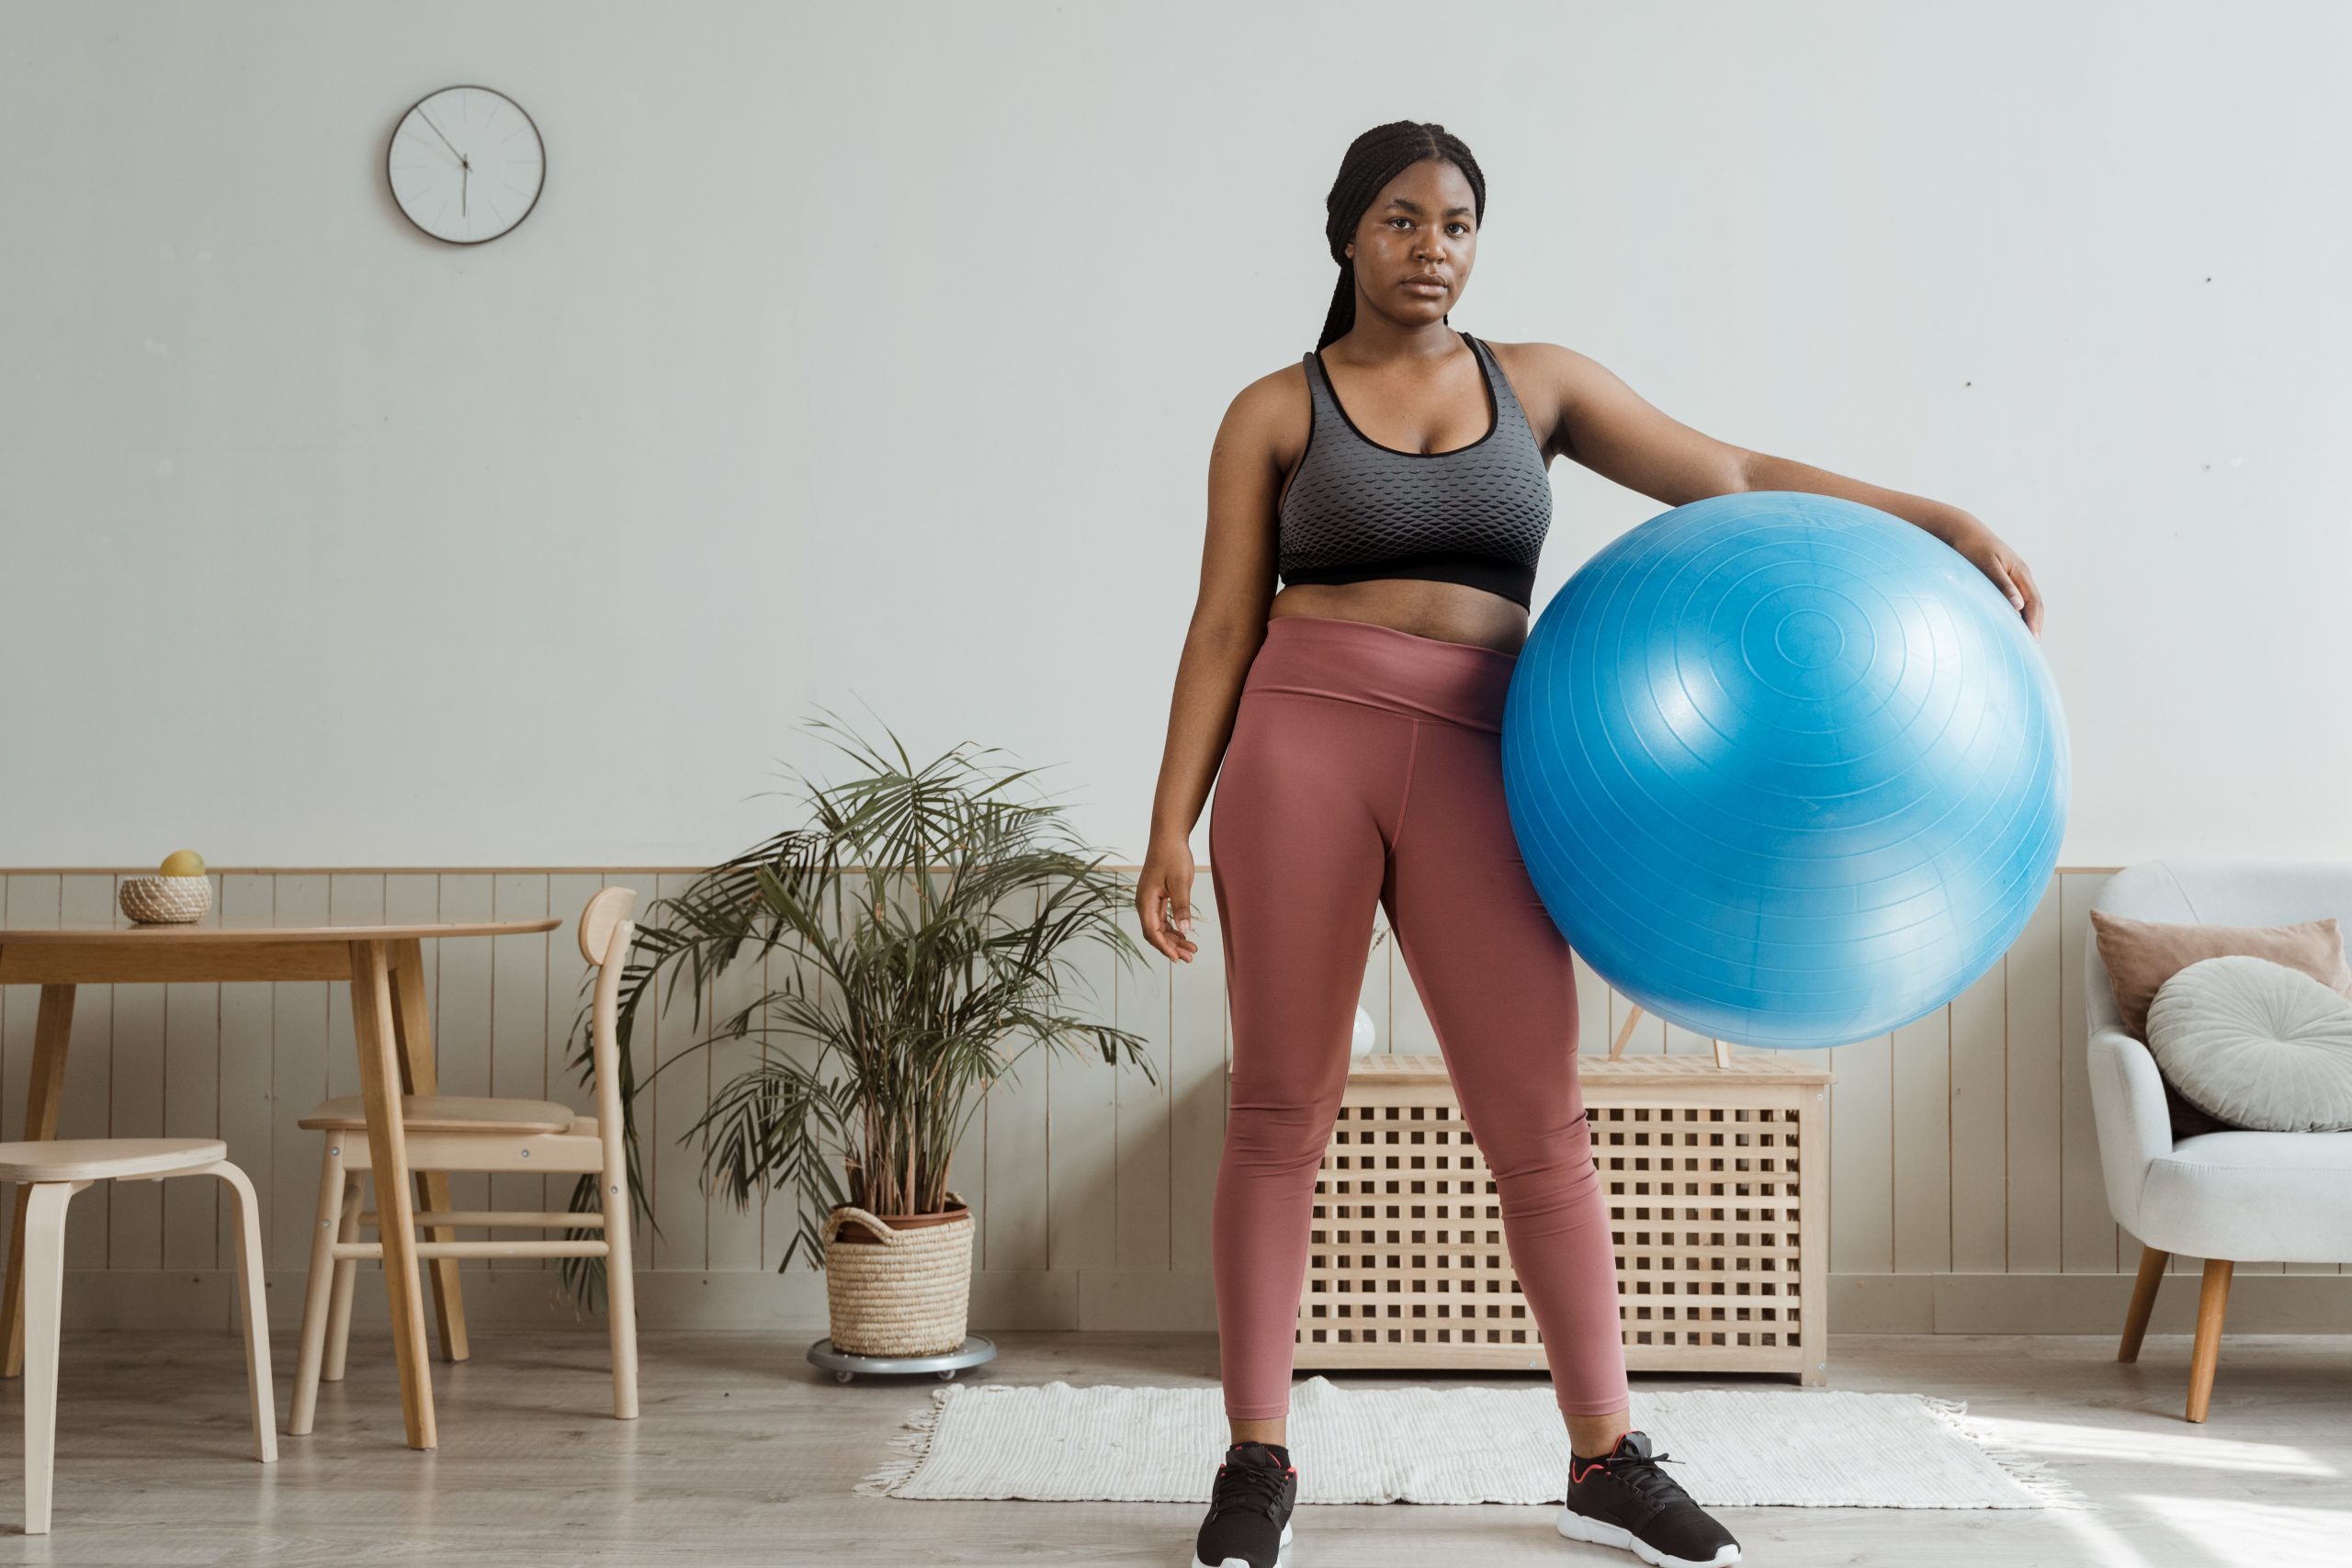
pixel 2143 1301
pixel 2212 1298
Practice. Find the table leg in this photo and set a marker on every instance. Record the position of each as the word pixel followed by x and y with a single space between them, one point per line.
pixel 379 1085
pixel 412 1032
pixel 52 1030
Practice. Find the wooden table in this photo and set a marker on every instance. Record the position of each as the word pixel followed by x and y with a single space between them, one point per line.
pixel 390 1023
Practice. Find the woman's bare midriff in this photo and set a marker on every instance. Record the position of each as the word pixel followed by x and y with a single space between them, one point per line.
pixel 1450 611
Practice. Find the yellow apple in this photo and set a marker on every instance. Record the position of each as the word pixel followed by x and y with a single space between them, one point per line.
pixel 183 862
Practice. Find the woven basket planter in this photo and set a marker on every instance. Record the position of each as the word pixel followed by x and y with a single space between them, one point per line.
pixel 166 900
pixel 898 1285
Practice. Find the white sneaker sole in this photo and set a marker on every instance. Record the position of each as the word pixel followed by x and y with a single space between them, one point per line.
pixel 1575 1527
pixel 1282 1558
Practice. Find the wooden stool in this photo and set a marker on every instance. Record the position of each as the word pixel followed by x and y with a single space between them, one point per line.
pixel 447 1132
pixel 57 1169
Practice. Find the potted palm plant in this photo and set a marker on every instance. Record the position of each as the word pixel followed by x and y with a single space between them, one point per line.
pixel 921 930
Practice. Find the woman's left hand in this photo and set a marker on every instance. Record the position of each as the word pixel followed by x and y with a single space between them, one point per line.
pixel 2003 565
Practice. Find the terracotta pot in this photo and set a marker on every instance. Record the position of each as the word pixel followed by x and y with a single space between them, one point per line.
pixel 857 1234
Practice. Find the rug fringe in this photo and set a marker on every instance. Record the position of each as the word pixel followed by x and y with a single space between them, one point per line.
pixel 919 1429
pixel 2034 1474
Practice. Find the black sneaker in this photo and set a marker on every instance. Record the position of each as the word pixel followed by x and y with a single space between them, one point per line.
pixel 1623 1499
pixel 1249 1522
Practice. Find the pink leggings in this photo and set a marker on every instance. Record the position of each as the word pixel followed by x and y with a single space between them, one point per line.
pixel 1366 764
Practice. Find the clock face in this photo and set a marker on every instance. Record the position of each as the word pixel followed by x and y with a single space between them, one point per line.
pixel 466 164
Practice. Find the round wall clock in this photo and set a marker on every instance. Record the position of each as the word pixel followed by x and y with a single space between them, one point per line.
pixel 466 164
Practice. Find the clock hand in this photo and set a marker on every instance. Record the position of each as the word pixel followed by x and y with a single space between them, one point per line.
pixel 445 140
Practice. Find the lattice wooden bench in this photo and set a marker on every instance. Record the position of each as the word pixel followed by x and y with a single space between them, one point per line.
pixel 1719 1220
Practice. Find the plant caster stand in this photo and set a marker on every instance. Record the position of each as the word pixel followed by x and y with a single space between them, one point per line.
pixel 974 1351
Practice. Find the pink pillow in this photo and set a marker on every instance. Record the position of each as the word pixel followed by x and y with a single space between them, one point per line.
pixel 2140 955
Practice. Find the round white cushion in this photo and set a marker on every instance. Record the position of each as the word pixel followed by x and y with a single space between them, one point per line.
pixel 2256 1043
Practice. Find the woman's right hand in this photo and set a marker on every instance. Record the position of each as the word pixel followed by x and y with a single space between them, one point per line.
pixel 1164 897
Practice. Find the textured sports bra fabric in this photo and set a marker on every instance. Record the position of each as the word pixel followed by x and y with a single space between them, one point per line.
pixel 1357 511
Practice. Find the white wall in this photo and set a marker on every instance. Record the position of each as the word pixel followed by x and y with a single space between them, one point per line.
pixel 872 353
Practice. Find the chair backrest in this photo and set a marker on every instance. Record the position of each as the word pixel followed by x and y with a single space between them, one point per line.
pixel 2212 891
pixel 605 933
pixel 604 915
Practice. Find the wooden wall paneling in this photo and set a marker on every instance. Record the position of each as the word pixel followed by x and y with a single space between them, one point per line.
pixel 464 973
pixel 1682 1041
pixel 1919 1068
pixel 1815 1161
pixel 192 1089
pixel 2087 1239
pixel 135 1109
pixel 1410 1032
pixel 1593 1010
pixel 1979 1181
pixel 735 1238
pixel 2030 1010
pixel 567 895
pixel 506 1040
pixel 1649 1034
pixel 1861 1169
pixel 350 896
pixel 298 1081
pixel 1380 961
pixel 780 1209
pixel 678 1096
pixel 1141 1003
pixel 518 1031
pixel 1081 1177
pixel 248 1111
pixel 1196 1087
pixel 967 1172
pixel 30 900
pixel 1016 1226
pixel 1964 1143
pixel 359 897
pixel 416 895
pixel 85 1109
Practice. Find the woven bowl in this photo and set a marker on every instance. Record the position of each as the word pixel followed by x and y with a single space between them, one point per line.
pixel 166 900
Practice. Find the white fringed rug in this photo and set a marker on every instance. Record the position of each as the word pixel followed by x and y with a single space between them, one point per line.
pixel 1810 1449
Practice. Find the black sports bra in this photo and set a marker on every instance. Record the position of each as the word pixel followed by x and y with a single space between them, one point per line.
pixel 1357 511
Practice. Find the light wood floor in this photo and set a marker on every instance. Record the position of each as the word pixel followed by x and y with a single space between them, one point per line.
pixel 746 1455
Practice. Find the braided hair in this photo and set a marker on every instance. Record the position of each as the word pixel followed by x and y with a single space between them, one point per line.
pixel 1372 160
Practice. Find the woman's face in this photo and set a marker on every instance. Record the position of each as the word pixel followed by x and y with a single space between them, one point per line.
pixel 1415 243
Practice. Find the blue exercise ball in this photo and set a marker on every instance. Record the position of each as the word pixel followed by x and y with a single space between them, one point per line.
pixel 1786 770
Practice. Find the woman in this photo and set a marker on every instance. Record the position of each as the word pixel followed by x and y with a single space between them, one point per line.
pixel 1395 480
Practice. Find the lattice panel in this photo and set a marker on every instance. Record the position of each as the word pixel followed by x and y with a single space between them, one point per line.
pixel 1703 1206
pixel 1408 1264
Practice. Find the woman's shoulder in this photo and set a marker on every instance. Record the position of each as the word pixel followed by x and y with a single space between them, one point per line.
pixel 1535 362
pixel 1550 380
pixel 1275 406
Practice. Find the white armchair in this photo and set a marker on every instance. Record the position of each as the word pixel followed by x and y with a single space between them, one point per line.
pixel 2224 1197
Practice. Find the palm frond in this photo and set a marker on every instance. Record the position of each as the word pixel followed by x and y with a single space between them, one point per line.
pixel 921 933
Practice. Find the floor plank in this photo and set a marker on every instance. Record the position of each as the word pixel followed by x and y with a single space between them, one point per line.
pixel 745 1455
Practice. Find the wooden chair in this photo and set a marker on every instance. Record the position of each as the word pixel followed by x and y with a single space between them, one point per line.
pixel 447 1132
pixel 56 1170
